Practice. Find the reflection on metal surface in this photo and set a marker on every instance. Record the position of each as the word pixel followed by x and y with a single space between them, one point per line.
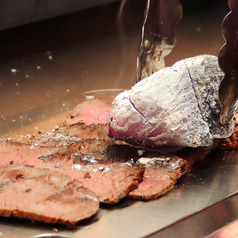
pixel 229 231
pixel 103 94
pixel 105 90
pixel 206 221
pixel 50 236
pixel 158 38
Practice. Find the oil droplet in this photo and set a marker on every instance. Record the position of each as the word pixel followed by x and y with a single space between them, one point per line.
pixel 89 97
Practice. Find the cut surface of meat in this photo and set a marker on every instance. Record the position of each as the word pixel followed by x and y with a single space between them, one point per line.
pixel 44 195
pixel 163 171
pixel 156 182
pixel 89 112
pixel 160 176
pixel 110 180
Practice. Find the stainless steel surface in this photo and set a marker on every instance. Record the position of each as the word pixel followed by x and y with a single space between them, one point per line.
pixel 45 70
pixel 207 223
pixel 229 231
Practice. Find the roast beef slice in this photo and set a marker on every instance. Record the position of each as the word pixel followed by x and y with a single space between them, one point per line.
pixel 162 172
pixel 156 182
pixel 44 195
pixel 89 112
pixel 111 181
pixel 160 176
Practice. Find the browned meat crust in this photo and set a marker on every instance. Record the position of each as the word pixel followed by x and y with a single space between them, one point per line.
pixel 44 195
pixel 230 143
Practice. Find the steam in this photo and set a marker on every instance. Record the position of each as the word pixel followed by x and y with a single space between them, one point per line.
pixel 122 37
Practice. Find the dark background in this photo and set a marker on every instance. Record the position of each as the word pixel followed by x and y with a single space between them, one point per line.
pixel 83 25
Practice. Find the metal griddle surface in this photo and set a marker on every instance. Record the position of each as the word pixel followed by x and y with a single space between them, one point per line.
pixel 210 181
pixel 45 70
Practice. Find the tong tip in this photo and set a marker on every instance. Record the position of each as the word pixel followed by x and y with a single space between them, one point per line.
pixel 228 96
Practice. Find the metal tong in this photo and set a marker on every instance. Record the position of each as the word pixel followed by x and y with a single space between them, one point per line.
pixel 228 60
pixel 158 38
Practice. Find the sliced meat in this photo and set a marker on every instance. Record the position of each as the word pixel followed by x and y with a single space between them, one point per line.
pixel 110 180
pixel 93 131
pixel 156 182
pixel 43 195
pixel 84 139
pixel 90 112
pixel 160 176
pixel 162 172
pixel 111 170
pixel 25 154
